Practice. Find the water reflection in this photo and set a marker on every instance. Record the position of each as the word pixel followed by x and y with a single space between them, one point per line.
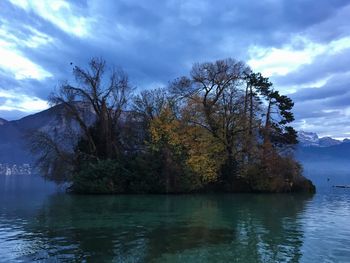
pixel 245 228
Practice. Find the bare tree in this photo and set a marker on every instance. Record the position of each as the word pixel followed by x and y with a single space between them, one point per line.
pixel 149 103
pixel 93 108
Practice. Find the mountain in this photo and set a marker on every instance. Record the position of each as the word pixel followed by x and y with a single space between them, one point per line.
pixel 308 138
pixel 13 143
pixel 13 134
pixel 326 161
pixel 311 148
pixel 2 121
pixel 328 141
pixel 311 139
pixel 339 151
pixel 346 140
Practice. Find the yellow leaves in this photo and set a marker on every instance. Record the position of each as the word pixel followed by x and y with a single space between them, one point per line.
pixel 165 128
pixel 203 166
pixel 200 151
pixel 204 153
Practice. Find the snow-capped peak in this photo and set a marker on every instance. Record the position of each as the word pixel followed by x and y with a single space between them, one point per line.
pixel 312 139
pixel 308 138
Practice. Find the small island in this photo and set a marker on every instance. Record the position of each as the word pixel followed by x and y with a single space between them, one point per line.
pixel 222 128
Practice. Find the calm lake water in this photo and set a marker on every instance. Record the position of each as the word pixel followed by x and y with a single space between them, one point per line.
pixel 39 223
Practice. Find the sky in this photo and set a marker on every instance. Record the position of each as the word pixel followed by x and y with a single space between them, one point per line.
pixel 303 46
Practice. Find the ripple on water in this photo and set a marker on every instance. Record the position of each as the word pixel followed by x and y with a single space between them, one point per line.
pixel 227 228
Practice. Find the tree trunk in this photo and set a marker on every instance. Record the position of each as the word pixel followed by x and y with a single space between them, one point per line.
pixel 251 116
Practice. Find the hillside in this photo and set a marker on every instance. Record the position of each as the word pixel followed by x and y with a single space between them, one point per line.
pixel 13 145
pixel 335 152
pixel 326 165
pixel 2 121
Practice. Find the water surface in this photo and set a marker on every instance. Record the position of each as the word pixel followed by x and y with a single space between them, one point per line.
pixel 37 223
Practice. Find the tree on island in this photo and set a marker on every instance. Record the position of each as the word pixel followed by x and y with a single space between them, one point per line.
pixel 222 128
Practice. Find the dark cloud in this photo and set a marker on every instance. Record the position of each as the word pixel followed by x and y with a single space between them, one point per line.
pixel 322 67
pixel 335 87
pixel 340 101
pixel 156 41
pixel 326 109
pixel 334 27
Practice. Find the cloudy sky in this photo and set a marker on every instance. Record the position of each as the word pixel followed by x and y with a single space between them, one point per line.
pixel 302 45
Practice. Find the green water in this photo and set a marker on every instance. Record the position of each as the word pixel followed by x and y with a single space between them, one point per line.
pixel 39 224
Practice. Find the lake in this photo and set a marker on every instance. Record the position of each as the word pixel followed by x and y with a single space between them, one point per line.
pixel 38 222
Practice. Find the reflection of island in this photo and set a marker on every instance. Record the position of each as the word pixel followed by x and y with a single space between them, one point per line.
pixel 15 169
pixel 224 228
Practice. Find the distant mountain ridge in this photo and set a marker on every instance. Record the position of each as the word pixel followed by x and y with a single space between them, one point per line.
pixel 13 145
pixel 326 161
pixel 312 139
